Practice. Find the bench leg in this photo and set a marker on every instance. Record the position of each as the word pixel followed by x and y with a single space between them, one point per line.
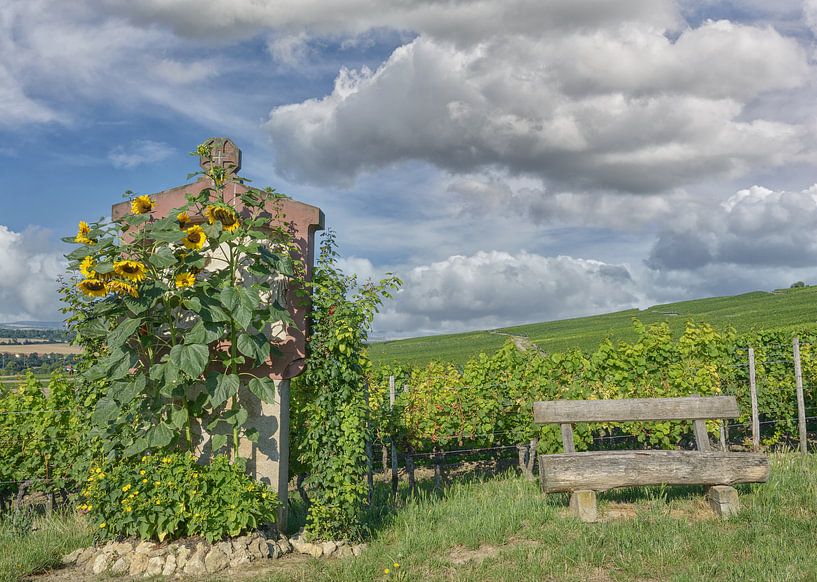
pixel 583 505
pixel 723 500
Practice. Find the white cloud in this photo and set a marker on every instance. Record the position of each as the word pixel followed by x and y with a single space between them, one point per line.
pixel 28 276
pixel 757 227
pixel 139 152
pixel 493 289
pixel 622 108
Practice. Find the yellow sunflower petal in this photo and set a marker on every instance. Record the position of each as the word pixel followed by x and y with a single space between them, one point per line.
pixel 142 204
pixel 131 270
pixel 195 238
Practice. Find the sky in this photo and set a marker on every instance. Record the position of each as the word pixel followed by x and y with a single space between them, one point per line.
pixel 511 160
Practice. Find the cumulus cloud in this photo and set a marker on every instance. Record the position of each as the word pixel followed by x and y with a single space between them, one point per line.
pixel 624 108
pixel 493 289
pixel 29 268
pixel 139 152
pixel 756 227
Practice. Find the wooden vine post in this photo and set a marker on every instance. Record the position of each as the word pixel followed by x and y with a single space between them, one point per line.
pixel 801 405
pixel 753 394
pixel 394 481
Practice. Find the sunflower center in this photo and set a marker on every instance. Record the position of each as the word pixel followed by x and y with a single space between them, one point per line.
pixel 194 237
pixel 95 285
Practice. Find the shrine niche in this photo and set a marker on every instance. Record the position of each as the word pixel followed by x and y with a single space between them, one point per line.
pixel 268 456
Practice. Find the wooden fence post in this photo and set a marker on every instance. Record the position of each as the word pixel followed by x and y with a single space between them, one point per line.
pixel 801 404
pixel 369 469
pixel 753 394
pixel 393 444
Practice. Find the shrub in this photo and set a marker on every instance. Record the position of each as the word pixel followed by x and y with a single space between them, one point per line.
pixel 171 496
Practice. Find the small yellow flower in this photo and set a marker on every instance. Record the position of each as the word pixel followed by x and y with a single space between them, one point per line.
pixel 92 287
pixel 396 565
pixel 158 502
pixel 142 204
pixel 103 525
pixel 166 460
pixel 185 280
pixel 82 234
pixel 144 459
pixel 144 481
pixel 385 570
pixel 195 238
pixel 183 219
pixel 142 472
pixel 226 216
pixel 128 509
pixel 122 288
pixel 126 488
pixel 131 270
pixel 157 483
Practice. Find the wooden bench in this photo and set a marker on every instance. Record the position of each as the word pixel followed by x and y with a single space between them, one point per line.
pixel 583 474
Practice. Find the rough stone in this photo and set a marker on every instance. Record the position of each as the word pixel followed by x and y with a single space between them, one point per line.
pixel 195 563
pixel 274 550
pixel 358 549
pixel 120 567
pixel 145 547
pixel 329 548
pixel 241 542
pixel 314 550
pixel 225 547
pixel 138 563
pixel 344 552
pixel 299 545
pixel 170 565
pixel 85 555
pixel 155 566
pixel 284 544
pixel 258 548
pixel 723 500
pixel 160 552
pixel 122 548
pixel 583 505
pixel 100 564
pixel 181 557
pixel 72 557
pixel 241 555
pixel 216 560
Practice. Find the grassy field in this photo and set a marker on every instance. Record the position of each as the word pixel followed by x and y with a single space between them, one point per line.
pixel 40 349
pixel 503 528
pixel 782 309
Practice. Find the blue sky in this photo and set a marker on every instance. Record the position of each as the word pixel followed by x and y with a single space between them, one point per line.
pixel 512 160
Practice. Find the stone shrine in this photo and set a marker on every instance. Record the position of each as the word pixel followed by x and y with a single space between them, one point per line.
pixel 269 457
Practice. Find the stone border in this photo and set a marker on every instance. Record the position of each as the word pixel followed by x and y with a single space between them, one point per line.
pixel 198 557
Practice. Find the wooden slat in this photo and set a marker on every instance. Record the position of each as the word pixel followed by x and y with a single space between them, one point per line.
pixel 601 471
pixel 701 436
pixel 567 438
pixel 635 409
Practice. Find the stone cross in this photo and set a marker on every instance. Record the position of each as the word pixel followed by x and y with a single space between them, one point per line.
pixel 269 457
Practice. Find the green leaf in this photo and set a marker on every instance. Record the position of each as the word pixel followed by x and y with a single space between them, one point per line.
pixel 222 387
pixel 263 388
pixel 166 234
pixel 236 417
pixel 159 436
pixel 243 317
pixel 193 304
pixel 162 258
pixel 93 328
pixel 253 346
pixel 229 298
pixel 139 446
pixel 178 417
pixel 104 268
pixel 105 411
pixel 125 392
pixel 252 434
pixel 123 331
pixel 192 359
pixel 196 335
pixel 218 441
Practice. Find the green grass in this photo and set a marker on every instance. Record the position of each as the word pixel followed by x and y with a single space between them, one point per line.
pixel 41 549
pixel 781 309
pixel 524 535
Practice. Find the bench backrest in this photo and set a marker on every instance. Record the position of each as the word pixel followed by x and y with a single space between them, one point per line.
pixel 635 409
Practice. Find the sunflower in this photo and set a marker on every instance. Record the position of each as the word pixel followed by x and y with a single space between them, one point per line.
pixel 226 216
pixel 82 234
pixel 86 267
pixel 195 238
pixel 183 219
pixel 121 288
pixel 185 280
pixel 131 270
pixel 92 287
pixel 142 204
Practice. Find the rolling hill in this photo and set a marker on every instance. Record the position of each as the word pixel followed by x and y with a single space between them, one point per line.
pixel 781 309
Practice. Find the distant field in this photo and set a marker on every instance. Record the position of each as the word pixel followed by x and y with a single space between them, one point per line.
pixel 40 349
pixel 781 309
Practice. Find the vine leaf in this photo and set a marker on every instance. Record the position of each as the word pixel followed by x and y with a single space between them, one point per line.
pixel 263 388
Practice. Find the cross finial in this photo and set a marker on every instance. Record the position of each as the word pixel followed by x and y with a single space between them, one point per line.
pixel 224 153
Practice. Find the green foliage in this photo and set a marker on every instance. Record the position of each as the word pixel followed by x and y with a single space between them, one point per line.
pixel 43 434
pixel 329 411
pixel 173 496
pixel 782 310
pixel 160 298
pixel 489 401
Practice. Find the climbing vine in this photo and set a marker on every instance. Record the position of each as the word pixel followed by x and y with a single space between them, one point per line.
pixel 329 400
